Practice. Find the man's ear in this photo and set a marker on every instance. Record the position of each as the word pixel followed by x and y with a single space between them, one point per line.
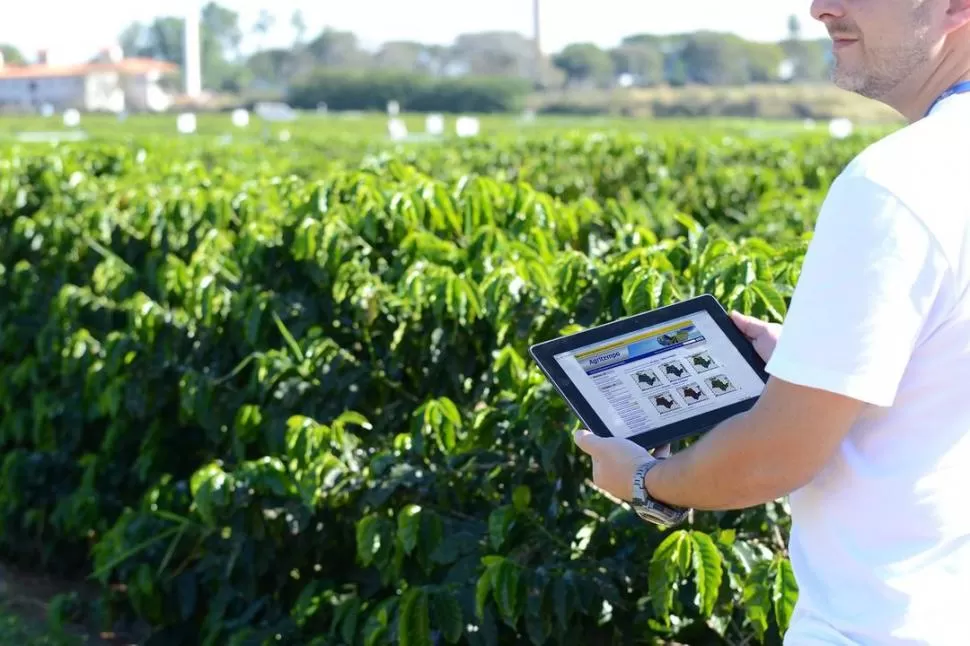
pixel 957 15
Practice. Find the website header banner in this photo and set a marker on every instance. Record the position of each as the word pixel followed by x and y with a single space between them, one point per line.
pixel 606 358
pixel 639 346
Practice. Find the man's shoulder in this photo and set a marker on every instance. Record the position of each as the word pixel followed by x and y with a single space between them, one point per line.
pixel 921 169
pixel 925 157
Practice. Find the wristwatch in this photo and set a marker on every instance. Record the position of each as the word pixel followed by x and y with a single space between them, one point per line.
pixel 651 509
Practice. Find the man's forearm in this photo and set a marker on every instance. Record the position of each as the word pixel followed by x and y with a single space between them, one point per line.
pixel 732 467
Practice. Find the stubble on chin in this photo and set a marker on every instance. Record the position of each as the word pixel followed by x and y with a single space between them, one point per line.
pixel 878 76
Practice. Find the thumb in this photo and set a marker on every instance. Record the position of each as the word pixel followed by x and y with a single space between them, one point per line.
pixel 588 441
pixel 747 324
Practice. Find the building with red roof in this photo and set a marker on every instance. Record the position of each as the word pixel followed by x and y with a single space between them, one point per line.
pixel 109 82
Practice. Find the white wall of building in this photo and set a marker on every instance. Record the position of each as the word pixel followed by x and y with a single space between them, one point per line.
pixel 144 93
pixel 94 91
pixel 104 92
pixel 60 91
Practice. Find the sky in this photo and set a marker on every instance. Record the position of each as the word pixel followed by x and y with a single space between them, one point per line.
pixel 74 30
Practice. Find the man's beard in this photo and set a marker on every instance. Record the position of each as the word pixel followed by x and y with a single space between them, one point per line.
pixel 877 80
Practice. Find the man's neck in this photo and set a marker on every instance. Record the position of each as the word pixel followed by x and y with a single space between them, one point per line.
pixel 914 97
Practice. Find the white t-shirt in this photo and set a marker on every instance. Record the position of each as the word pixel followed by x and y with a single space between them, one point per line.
pixel 880 539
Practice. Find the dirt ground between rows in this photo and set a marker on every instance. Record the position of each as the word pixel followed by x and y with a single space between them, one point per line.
pixel 29 596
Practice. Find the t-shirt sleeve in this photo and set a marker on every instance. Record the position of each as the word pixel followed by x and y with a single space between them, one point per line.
pixel 869 280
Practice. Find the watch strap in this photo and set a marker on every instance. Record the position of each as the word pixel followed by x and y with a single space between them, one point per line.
pixel 650 509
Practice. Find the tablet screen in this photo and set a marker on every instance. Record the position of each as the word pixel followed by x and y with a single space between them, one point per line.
pixel 655 376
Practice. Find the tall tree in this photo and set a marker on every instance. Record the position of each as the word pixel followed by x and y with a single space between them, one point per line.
pixel 333 48
pixel 716 59
pixel 11 55
pixel 222 26
pixel 585 63
pixel 495 53
pixel 273 68
pixel 794 28
pixel 221 36
pixel 403 55
pixel 298 23
pixel 642 61
pixel 263 25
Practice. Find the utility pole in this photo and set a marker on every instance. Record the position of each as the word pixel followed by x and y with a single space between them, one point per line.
pixel 192 52
pixel 536 33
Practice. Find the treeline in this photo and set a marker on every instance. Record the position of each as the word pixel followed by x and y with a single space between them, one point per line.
pixel 490 72
pixel 354 90
pixel 486 71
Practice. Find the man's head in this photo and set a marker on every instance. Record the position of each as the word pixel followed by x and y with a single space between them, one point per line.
pixel 879 44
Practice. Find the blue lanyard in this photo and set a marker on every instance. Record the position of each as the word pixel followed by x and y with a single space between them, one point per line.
pixel 959 88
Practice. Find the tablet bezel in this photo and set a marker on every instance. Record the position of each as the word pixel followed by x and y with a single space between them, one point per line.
pixel 543 353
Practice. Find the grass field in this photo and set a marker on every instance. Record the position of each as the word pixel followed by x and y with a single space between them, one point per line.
pixel 323 127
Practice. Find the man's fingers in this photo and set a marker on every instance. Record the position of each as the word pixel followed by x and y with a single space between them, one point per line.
pixel 587 440
pixel 661 451
pixel 739 318
pixel 747 324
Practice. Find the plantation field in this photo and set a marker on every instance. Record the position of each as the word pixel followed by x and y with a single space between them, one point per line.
pixel 266 391
pixel 312 126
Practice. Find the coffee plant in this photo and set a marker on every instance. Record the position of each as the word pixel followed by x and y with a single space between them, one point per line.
pixel 261 403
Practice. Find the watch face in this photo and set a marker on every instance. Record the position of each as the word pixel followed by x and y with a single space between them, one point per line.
pixel 660 518
pixel 655 512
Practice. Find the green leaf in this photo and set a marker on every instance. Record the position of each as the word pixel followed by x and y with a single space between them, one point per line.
pixel 414 623
pixel 769 297
pixel 506 590
pixel 432 539
pixel 288 337
pixel 667 565
pixel 756 599
pixel 447 616
pixel 352 417
pixel 644 289
pixel 409 527
pixel 562 597
pixel 345 619
pixel 450 411
pixel 708 570
pixel 509 368
pixel 487 634
pixel 209 486
pixel 538 622
pixel 368 539
pixel 378 621
pixel 499 522
pixel 249 418
pixel 204 475
pixel 784 593
pixel 482 588
pixel 521 497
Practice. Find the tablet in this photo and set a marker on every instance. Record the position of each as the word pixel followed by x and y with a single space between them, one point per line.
pixel 658 376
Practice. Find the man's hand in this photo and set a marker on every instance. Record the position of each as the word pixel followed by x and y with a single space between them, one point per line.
pixel 615 460
pixel 762 334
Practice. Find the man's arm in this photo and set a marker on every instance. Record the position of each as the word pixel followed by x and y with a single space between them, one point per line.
pixel 873 279
pixel 758 456
pixel 868 284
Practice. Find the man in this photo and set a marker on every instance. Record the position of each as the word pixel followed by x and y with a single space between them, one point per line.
pixel 865 419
